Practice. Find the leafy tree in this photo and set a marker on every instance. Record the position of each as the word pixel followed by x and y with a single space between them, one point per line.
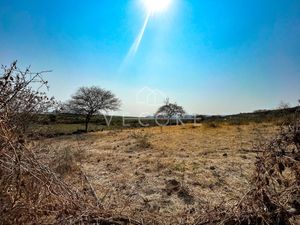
pixel 89 101
pixel 170 110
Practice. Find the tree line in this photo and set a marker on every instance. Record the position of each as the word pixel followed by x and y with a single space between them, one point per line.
pixel 90 101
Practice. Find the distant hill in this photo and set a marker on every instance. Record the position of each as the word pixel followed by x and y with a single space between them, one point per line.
pixel 259 116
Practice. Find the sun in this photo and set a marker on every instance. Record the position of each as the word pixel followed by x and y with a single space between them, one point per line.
pixel 153 6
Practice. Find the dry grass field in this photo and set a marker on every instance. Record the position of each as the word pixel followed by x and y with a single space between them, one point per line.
pixel 168 174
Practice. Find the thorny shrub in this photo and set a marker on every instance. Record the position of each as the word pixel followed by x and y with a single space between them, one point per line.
pixel 274 197
pixel 30 193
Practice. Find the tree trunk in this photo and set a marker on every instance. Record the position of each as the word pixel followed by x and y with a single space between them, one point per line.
pixel 87 120
pixel 169 120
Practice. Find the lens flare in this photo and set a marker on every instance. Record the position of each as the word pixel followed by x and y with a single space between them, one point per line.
pixel 136 44
pixel 152 6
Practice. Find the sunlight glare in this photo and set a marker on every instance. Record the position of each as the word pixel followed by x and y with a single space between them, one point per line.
pixel 156 5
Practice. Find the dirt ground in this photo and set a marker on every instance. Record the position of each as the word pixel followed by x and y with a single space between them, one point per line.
pixel 168 173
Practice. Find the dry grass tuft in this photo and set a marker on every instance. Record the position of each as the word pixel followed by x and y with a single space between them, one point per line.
pixel 65 162
pixel 142 140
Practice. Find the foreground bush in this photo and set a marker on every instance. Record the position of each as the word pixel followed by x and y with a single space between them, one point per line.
pixel 30 193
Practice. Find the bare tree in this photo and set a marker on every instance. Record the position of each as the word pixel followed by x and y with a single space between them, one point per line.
pixel 170 110
pixel 89 101
pixel 22 97
pixel 284 105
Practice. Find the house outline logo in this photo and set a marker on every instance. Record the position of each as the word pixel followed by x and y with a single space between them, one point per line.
pixel 149 96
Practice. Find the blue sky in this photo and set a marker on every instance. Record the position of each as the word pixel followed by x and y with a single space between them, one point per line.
pixel 212 57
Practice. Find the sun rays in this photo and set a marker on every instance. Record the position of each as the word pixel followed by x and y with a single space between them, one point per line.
pixel 151 6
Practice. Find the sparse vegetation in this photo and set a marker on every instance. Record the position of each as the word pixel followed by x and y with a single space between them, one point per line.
pixel 224 172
